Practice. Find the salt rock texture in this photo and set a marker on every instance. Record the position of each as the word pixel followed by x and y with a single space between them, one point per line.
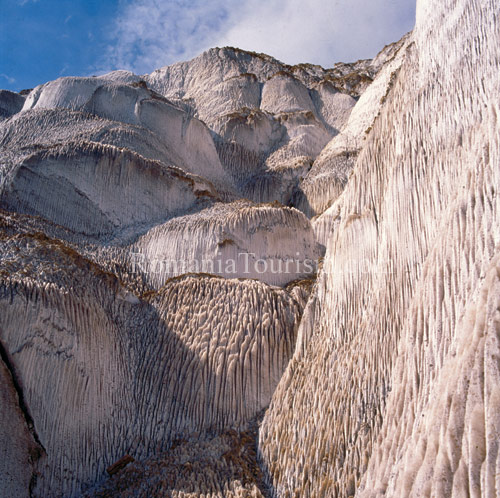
pixel 266 115
pixel 266 242
pixel 34 130
pixel 137 105
pixel 105 372
pixel 376 377
pixel 223 466
pixel 10 103
pixel 327 178
pixel 102 353
pixel 108 188
pixel 19 451
pixel 393 388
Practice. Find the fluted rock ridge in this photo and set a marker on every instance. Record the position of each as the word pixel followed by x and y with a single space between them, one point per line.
pixel 392 392
pixel 371 372
pixel 105 372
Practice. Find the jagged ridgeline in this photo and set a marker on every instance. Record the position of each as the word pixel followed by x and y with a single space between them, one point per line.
pixel 253 279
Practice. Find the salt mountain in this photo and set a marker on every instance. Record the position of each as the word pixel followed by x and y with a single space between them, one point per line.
pixel 379 376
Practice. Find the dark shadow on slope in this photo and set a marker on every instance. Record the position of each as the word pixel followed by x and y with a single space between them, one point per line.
pixel 214 465
pixel 158 390
pixel 137 390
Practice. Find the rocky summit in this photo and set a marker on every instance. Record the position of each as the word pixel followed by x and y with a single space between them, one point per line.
pixel 233 277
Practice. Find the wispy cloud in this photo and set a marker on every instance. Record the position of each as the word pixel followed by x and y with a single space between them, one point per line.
pixel 64 70
pixel 152 33
pixel 318 31
pixel 10 80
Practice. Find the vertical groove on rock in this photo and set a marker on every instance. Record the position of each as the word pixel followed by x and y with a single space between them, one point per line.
pixel 387 395
pixel 4 357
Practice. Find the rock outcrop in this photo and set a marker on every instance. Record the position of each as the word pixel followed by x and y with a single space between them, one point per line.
pixel 255 279
pixel 266 117
pixel 105 372
pixel 242 240
pixel 393 390
pixel 107 188
pixel 10 103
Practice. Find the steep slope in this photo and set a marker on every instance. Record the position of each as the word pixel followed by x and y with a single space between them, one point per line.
pixel 107 188
pixel 239 240
pixel 19 452
pixel 266 117
pixel 378 379
pixel 327 178
pixel 10 103
pixel 135 104
pixel 393 388
pixel 219 467
pixel 31 130
pixel 105 373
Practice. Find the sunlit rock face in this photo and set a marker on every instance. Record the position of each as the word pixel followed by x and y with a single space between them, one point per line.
pixel 326 180
pixel 257 279
pixel 106 351
pixel 242 240
pixel 267 116
pixel 393 389
pixel 106 188
pixel 106 372
pixel 134 104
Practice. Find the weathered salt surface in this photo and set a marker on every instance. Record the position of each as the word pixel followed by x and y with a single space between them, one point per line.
pixel 135 104
pixel 106 373
pixel 107 355
pixel 266 115
pixel 95 189
pixel 382 377
pixel 393 388
pixel 18 451
pixel 326 180
pixel 10 103
pixel 241 240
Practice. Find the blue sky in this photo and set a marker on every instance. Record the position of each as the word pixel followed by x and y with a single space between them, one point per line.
pixel 41 40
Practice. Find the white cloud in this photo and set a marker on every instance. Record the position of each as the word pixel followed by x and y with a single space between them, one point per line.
pixel 8 78
pixel 152 33
pixel 64 70
pixel 321 32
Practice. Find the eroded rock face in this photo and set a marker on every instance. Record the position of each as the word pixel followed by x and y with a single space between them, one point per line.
pixel 379 378
pixel 267 242
pixel 266 115
pixel 326 180
pixel 105 372
pixel 222 467
pixel 10 103
pixel 111 357
pixel 134 104
pixel 105 188
pixel 19 451
pixel 110 352
pixel 392 391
